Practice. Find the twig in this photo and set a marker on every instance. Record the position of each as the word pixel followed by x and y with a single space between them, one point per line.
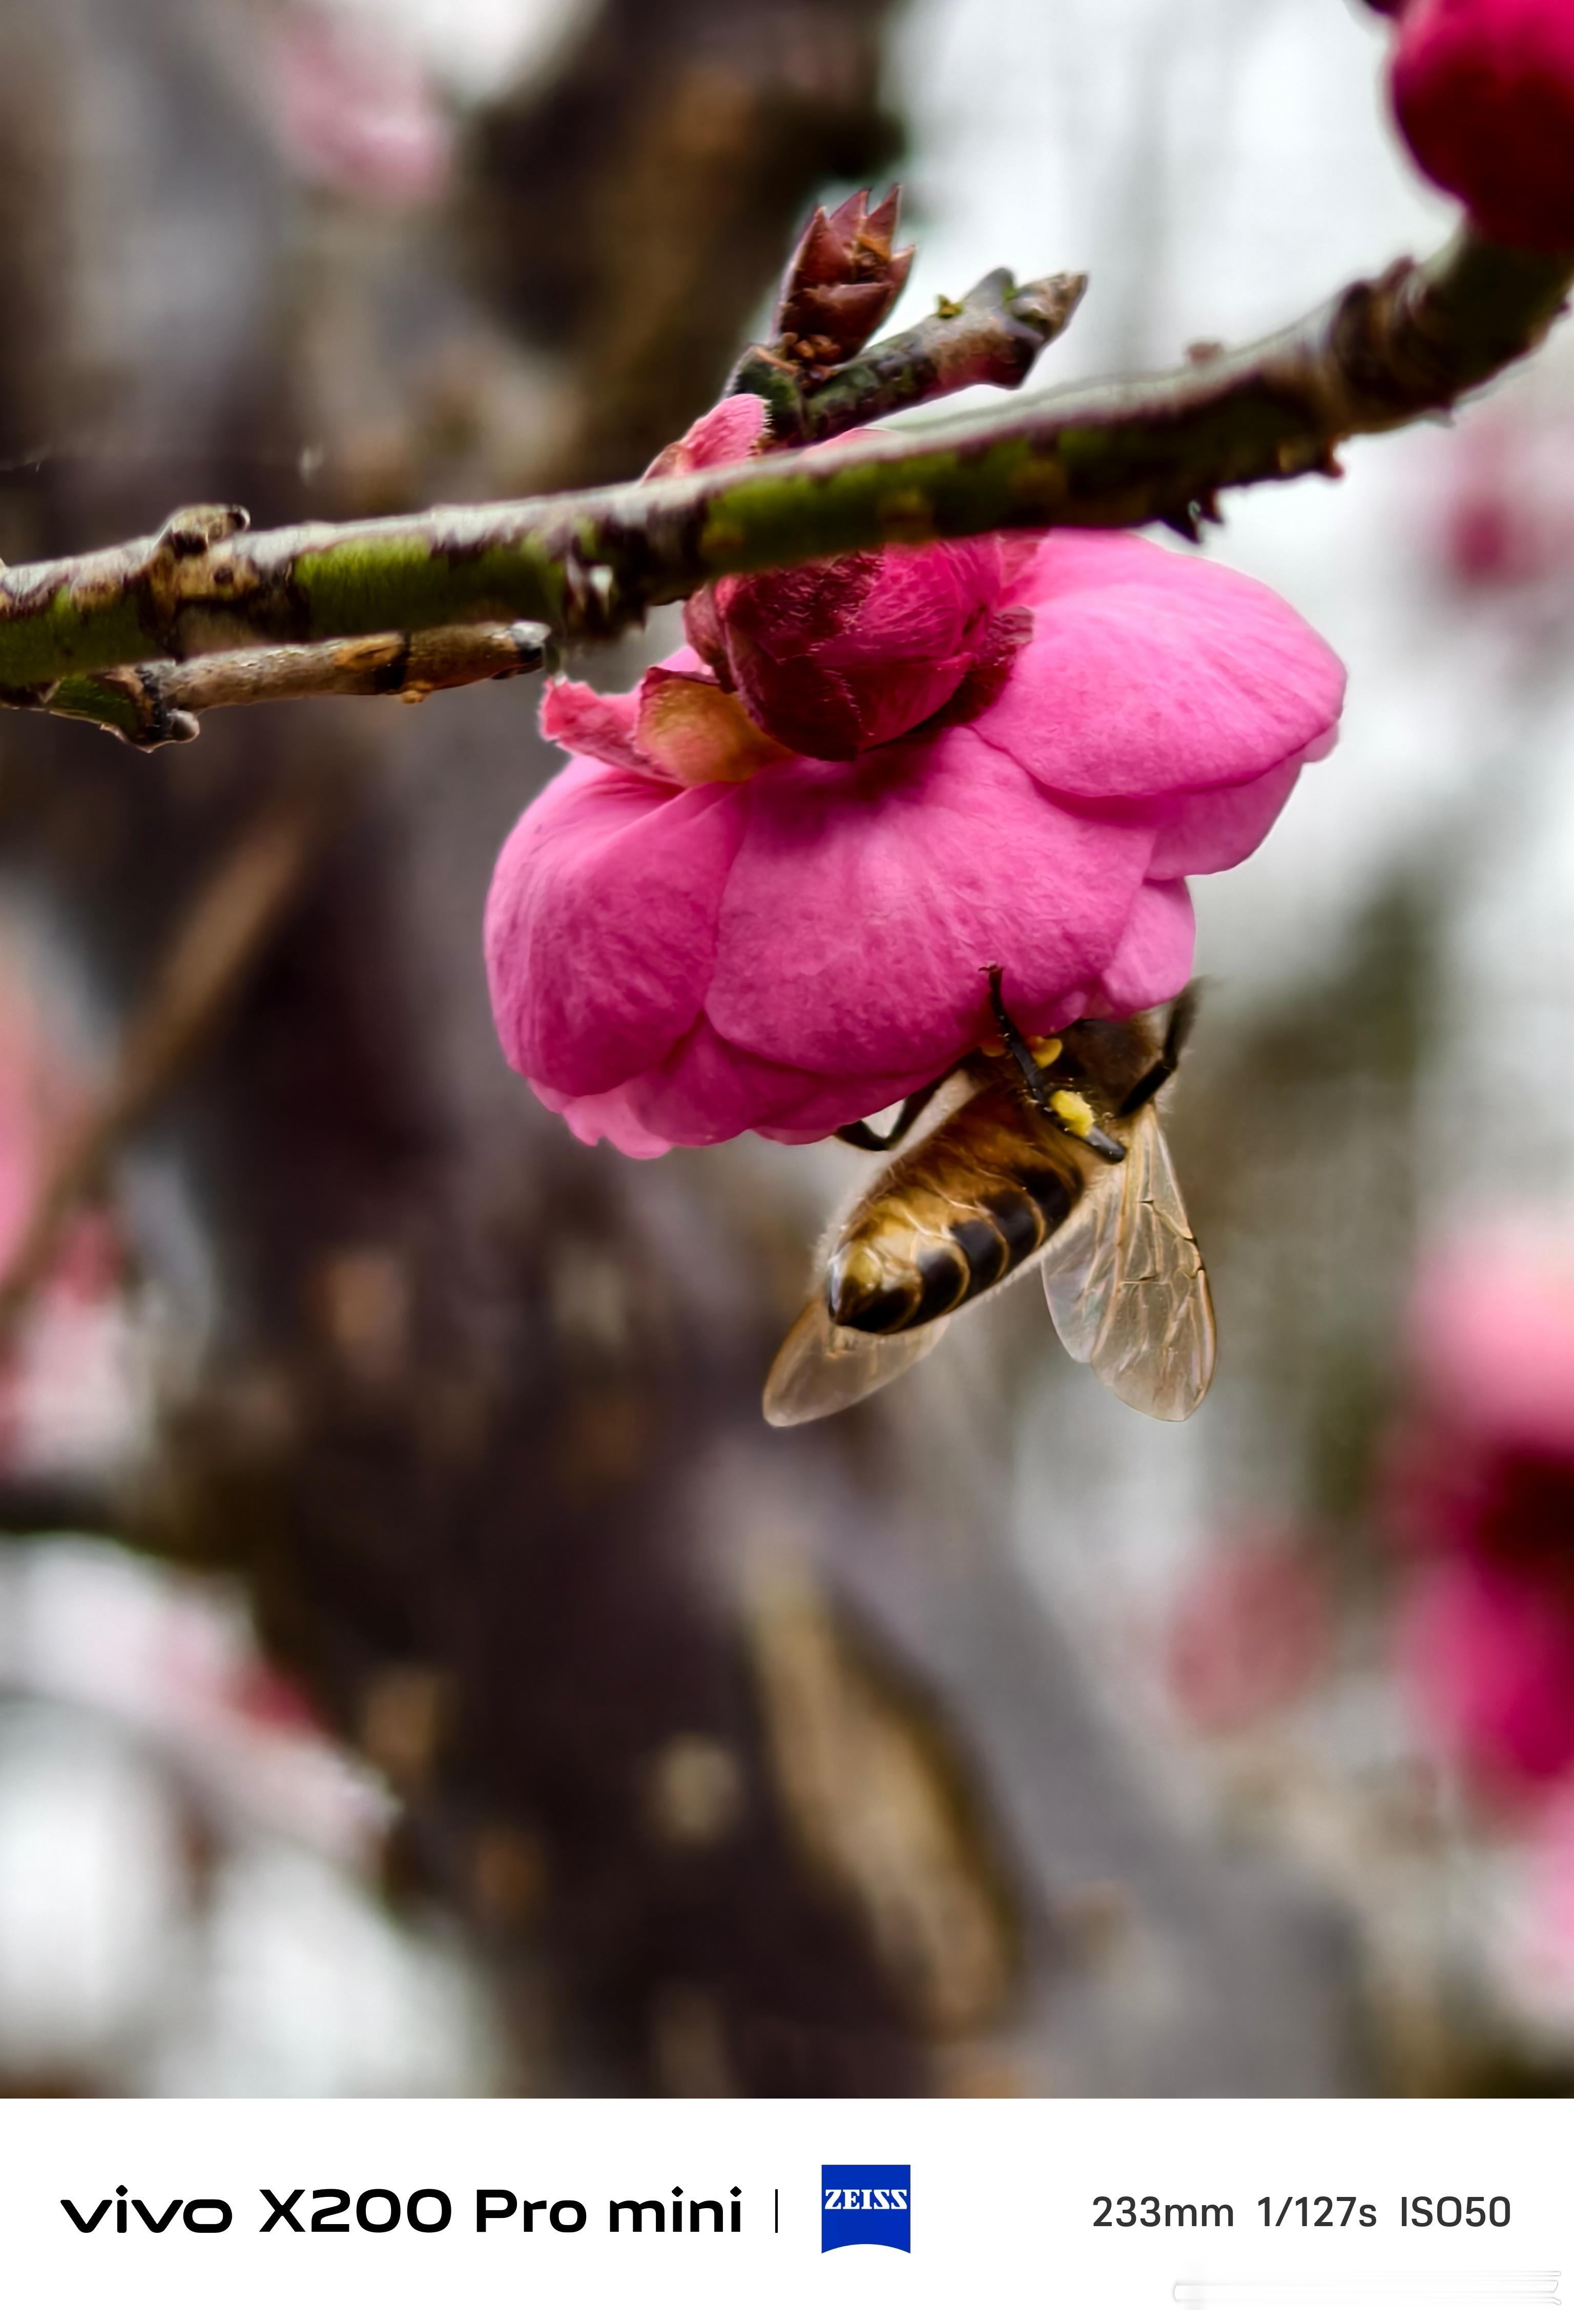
pixel 208 959
pixel 592 564
pixel 990 338
pixel 157 702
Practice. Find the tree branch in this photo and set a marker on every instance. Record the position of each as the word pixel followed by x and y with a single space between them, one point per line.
pixel 152 703
pixel 208 957
pixel 990 338
pixel 592 564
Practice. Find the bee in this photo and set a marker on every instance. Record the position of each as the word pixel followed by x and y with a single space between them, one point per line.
pixel 1052 1157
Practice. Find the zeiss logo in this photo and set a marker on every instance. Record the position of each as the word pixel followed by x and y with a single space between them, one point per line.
pixel 866 2203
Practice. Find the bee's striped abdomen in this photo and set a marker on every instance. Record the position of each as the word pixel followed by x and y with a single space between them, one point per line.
pixel 976 1202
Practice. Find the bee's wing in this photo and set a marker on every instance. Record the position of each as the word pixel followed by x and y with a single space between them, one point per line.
pixel 1125 1282
pixel 822 1367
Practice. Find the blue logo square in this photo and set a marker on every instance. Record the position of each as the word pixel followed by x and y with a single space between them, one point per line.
pixel 866 2203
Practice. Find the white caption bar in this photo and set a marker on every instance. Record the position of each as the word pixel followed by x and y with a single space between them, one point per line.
pixel 1519 2288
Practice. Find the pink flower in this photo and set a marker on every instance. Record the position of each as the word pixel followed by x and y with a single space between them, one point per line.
pixel 1507 500
pixel 1484 91
pixel 1538 1941
pixel 696 931
pixel 1491 1342
pixel 1482 1490
pixel 841 654
pixel 353 111
pixel 1486 1654
pixel 1495 524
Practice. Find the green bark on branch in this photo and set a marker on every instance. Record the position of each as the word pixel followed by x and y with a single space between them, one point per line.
pixel 990 338
pixel 592 564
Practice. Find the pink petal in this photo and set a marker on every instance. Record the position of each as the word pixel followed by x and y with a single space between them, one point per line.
pixel 866 903
pixel 595 726
pixel 1153 957
pixel 1210 831
pixel 708 1089
pixel 611 1116
pixel 601 926
pixel 1150 672
pixel 901 694
pixel 730 432
pixel 835 1104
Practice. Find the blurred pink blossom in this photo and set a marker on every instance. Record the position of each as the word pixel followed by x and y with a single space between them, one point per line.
pixel 1022 748
pixel 1491 1340
pixel 354 110
pixel 1508 503
pixel 1540 1960
pixel 65 1397
pixel 1481 1491
pixel 174 1661
pixel 1488 1656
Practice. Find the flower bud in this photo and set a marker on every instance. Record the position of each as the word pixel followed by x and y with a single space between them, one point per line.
pixel 835 657
pixel 1484 92
pixel 842 280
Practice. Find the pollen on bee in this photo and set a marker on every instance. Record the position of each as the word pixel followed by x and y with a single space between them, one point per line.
pixel 1045 1051
pixel 991 1048
pixel 1075 1112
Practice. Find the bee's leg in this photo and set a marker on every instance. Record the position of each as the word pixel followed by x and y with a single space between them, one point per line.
pixel 1071 1114
pixel 868 1141
pixel 1183 1016
pixel 872 1142
pixel 1022 1056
